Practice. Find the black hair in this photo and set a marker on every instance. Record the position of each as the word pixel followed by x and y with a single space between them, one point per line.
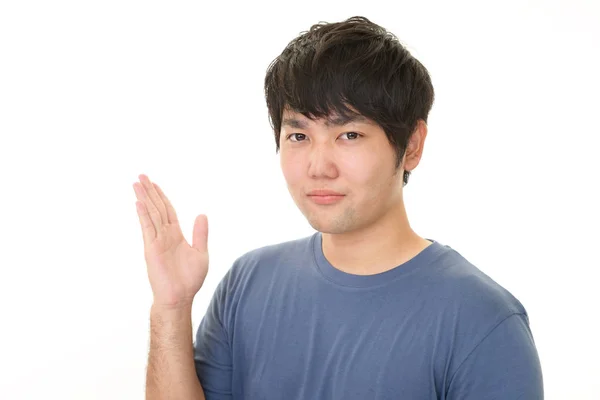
pixel 351 65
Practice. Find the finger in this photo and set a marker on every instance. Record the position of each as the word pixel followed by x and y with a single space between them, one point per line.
pixel 151 210
pixel 155 198
pixel 171 215
pixel 200 234
pixel 148 231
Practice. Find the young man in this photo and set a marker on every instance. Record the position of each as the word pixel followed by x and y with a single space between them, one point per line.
pixel 364 308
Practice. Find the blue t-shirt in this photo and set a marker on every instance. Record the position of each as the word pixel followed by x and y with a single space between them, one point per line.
pixel 286 324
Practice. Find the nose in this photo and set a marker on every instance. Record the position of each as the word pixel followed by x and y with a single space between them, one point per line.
pixel 322 162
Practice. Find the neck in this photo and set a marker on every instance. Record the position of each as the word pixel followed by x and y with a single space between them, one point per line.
pixel 381 246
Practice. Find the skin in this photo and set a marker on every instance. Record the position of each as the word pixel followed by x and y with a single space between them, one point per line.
pixel 176 271
pixel 368 231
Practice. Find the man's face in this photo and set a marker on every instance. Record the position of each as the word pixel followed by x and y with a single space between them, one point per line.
pixel 355 159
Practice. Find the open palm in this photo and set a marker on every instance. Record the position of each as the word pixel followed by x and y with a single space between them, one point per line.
pixel 176 270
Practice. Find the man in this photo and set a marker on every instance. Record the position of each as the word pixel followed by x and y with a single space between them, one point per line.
pixel 364 308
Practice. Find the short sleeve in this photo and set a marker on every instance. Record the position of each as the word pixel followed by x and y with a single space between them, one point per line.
pixel 212 352
pixel 503 366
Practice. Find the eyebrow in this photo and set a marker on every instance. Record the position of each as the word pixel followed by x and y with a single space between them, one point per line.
pixel 337 121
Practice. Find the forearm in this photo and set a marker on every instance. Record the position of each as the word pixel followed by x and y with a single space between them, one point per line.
pixel 171 373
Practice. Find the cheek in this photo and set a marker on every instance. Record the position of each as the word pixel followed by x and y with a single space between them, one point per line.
pixel 359 171
pixel 368 180
pixel 291 169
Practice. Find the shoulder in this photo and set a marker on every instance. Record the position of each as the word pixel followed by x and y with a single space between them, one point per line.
pixel 270 259
pixel 468 289
pixel 472 303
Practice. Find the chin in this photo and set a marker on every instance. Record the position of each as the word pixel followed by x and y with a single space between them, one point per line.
pixel 334 227
pixel 332 220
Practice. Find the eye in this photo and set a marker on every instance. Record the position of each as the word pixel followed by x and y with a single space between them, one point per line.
pixel 297 135
pixel 352 135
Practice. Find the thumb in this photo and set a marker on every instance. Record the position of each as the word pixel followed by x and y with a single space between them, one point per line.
pixel 200 235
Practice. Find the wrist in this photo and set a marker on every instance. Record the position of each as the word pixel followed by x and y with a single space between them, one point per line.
pixel 180 308
pixel 172 311
pixel 170 304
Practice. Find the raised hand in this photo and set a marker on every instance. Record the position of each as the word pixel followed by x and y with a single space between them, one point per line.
pixel 176 270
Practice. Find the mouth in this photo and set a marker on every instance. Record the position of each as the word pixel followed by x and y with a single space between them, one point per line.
pixel 325 199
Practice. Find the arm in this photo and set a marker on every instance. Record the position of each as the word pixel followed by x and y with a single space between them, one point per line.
pixel 171 373
pixel 212 348
pixel 176 272
pixel 503 366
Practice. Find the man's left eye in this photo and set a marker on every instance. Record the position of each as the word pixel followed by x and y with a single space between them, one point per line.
pixel 351 135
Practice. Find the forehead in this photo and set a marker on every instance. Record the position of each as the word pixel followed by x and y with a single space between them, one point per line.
pixel 296 120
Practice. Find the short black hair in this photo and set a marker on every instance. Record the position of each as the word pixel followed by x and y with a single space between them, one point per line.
pixel 353 64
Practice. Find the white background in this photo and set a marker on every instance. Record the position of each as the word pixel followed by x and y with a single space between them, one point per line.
pixel 94 93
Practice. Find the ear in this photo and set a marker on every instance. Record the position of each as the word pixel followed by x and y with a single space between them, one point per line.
pixel 414 148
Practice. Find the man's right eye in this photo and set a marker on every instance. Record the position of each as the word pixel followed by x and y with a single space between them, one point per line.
pixel 297 136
